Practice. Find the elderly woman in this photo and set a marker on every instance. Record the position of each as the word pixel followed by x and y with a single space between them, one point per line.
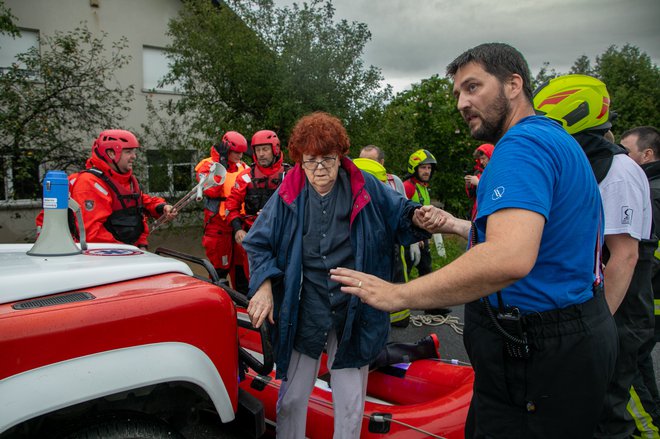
pixel 326 214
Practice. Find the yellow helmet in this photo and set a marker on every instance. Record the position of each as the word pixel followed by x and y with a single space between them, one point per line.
pixel 420 157
pixel 578 102
pixel 372 167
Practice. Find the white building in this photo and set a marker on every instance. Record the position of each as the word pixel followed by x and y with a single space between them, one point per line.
pixel 142 22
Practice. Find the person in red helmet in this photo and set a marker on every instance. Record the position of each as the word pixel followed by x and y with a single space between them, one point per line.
pixel 481 156
pixel 252 189
pixel 113 205
pixel 218 238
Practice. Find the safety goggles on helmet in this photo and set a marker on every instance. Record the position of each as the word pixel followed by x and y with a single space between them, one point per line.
pixel 578 102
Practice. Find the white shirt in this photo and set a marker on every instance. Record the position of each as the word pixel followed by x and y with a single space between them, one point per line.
pixel 626 199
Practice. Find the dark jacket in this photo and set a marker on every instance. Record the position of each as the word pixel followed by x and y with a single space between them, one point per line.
pixel 380 217
pixel 652 171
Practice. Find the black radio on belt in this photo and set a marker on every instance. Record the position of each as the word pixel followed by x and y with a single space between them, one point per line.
pixel 513 333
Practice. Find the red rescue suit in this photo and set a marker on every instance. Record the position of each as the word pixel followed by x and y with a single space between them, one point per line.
pixel 253 187
pixel 112 204
pixel 218 240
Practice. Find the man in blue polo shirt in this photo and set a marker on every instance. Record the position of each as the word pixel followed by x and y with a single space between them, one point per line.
pixel 538 330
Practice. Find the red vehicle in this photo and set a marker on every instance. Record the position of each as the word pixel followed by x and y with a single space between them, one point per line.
pixel 116 339
pixel 111 341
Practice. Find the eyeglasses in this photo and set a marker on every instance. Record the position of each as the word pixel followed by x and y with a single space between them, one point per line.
pixel 312 165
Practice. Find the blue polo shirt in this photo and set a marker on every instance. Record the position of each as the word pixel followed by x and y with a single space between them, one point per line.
pixel 538 166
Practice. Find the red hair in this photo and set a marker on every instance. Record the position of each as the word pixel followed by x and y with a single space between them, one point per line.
pixel 318 134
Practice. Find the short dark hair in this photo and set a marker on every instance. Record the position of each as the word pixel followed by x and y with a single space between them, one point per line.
pixel 380 155
pixel 498 59
pixel 647 137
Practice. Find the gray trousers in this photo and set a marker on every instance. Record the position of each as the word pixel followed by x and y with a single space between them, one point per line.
pixel 349 389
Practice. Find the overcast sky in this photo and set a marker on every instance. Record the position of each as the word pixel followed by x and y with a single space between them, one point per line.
pixel 414 39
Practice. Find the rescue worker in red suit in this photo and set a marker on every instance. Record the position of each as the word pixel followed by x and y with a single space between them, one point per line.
pixel 253 188
pixel 218 238
pixel 112 204
pixel 481 156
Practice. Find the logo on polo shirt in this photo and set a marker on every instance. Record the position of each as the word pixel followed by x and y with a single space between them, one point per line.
pixel 498 192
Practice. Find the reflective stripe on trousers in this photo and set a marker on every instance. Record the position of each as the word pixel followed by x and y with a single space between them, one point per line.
pixel 643 420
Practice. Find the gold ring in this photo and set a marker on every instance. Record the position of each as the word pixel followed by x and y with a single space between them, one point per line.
pixel 360 284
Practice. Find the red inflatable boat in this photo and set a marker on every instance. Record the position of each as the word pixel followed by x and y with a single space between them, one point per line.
pixel 426 398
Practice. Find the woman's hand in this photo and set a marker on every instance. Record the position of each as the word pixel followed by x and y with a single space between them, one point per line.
pixel 260 306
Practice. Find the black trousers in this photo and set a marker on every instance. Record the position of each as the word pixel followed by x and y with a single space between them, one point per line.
pixel 634 323
pixel 556 393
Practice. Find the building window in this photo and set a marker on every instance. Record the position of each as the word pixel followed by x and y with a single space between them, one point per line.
pixel 155 65
pixel 170 172
pixel 20 177
pixel 10 47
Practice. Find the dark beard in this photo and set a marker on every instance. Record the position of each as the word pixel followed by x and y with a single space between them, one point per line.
pixel 492 122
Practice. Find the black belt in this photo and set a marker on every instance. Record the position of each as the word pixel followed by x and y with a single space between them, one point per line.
pixel 521 333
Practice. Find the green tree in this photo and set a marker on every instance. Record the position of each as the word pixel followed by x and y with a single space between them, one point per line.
pixel 226 73
pixel 582 66
pixel 7 21
pixel 55 98
pixel 250 65
pixel 633 82
pixel 544 74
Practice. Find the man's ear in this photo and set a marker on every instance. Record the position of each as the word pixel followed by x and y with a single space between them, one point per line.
pixel 514 85
pixel 648 155
pixel 111 153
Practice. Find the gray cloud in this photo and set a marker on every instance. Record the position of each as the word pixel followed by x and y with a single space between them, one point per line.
pixel 413 39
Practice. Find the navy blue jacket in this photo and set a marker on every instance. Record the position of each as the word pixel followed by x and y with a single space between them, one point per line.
pixel 380 217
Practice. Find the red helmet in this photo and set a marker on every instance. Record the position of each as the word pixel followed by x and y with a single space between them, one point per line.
pixel 266 137
pixel 116 140
pixel 231 141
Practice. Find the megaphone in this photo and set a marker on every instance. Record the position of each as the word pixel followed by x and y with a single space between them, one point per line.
pixel 55 238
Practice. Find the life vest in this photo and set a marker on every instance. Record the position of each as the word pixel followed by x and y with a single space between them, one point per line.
pixel 421 195
pixel 126 223
pixel 217 204
pixel 260 188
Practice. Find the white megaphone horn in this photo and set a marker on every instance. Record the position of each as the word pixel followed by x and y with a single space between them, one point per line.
pixel 55 238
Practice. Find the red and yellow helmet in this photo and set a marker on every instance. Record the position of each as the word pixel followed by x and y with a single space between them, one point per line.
pixel 578 102
pixel 420 157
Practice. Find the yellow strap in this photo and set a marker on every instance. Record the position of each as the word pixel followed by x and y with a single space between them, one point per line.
pixel 399 315
pixel 656 307
pixel 643 420
pixel 402 253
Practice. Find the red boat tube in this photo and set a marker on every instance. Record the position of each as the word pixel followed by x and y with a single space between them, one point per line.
pixel 426 398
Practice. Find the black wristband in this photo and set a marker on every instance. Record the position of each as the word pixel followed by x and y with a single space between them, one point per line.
pixel 236 225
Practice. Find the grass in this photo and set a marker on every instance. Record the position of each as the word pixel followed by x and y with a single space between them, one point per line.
pixel 454 247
